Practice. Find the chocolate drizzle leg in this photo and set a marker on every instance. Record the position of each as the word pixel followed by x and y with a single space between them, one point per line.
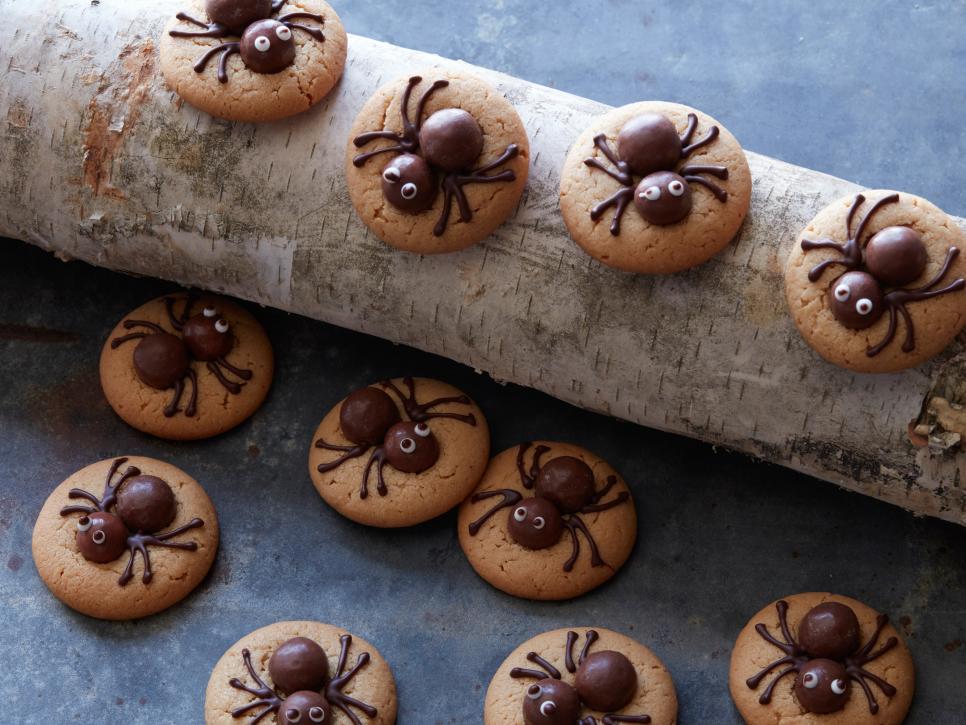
pixel 420 412
pixel 333 690
pixel 453 184
pixel 266 697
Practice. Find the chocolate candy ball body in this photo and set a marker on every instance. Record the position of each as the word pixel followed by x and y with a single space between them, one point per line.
pixel 267 46
pixel 896 256
pixel 567 482
pixel 855 299
pixel 649 143
pixel 822 686
pixel 535 523
pixel 411 447
pixel 451 139
pixel 146 504
pixel 606 681
pixel 160 360
pixel 409 184
pixel 236 15
pixel 830 630
pixel 663 198
pixel 304 708
pixel 207 335
pixel 366 415
pixel 299 664
pixel 551 702
pixel 101 537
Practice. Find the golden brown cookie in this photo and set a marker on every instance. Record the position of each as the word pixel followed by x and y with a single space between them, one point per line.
pixel 875 281
pixel 548 521
pixel 583 673
pixel 400 452
pixel 185 369
pixel 812 657
pixel 301 672
pixel 125 537
pixel 436 162
pixel 666 187
pixel 276 59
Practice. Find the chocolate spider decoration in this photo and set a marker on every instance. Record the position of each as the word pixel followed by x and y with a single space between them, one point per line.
pixel 143 505
pixel 370 419
pixel 649 146
pixel 163 360
pixel 893 257
pixel 449 142
pixel 300 667
pixel 826 658
pixel 265 44
pixel 605 681
pixel 563 488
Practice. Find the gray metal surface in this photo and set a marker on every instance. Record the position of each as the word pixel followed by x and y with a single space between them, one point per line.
pixel 862 90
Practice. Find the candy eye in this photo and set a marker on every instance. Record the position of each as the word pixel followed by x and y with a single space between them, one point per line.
pixel 548 708
pixel 422 430
pixel 391 175
pixel 283 33
pixel 539 522
pixel 293 715
pixel 676 188
pixel 407 445
pixel 84 524
pixel 534 691
pixel 651 193
pixel 99 537
pixel 210 312
pixel 838 687
pixel 316 714
pixel 810 680
pixel 222 326
pixel 520 514
pixel 262 44
pixel 842 292
pixel 864 306
pixel 409 190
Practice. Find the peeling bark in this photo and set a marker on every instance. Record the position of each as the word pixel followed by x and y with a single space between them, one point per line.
pixel 101 162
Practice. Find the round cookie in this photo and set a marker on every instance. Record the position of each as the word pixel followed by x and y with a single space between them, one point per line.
pixel 448 177
pixel 295 68
pixel 536 504
pixel 667 222
pixel 84 546
pixel 425 440
pixel 614 675
pixel 149 366
pixel 843 298
pixel 295 666
pixel 826 637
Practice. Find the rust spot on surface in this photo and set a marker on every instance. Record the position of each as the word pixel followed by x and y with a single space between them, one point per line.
pixel 113 112
pixel 14 563
pixel 953 646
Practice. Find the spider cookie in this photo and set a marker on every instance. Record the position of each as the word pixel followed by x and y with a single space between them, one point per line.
pixel 253 60
pixel 821 659
pixel 125 538
pixel 654 188
pixel 876 282
pixel 436 162
pixel 581 677
pixel 523 527
pixel 301 673
pixel 186 366
pixel 399 452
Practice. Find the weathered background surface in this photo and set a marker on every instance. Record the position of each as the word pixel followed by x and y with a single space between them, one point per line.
pixel 720 535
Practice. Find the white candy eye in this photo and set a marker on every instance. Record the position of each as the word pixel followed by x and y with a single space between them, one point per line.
pixel 99 537
pixel 210 312
pixel 391 175
pixel 293 715
pixel 262 44
pixel 534 692
pixel 422 430
pixel 408 190
pixel 407 445
pixel 651 193
pixel 548 708
pixel 283 33
pixel 676 188
pixel 222 326
pixel 810 680
pixel 864 306
pixel 316 714
pixel 539 522
pixel 84 524
pixel 520 514
pixel 842 292
pixel 838 687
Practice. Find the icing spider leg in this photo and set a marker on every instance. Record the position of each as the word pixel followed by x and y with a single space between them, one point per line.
pixel 108 497
pixel 622 175
pixel 421 105
pixel 595 507
pixel 333 690
pixel 178 322
pixel 690 173
pixel 408 141
pixel 592 637
pixel 527 479
pixel 688 148
pixel 766 695
pixel 548 669
pixel 314 32
pixel 243 374
pixel 212 30
pixel 138 543
pixel 719 193
pixel 569 652
pixel 377 459
pixel 890 199
pixel 453 187
pixel 265 694
pixel 510 498
pixel 131 324
pixel 574 524
pixel 226 49
pixel 620 199
pixel 179 386
pixel 348 452
pixel 420 412
pixel 172 407
pixel 757 678
pixel 229 385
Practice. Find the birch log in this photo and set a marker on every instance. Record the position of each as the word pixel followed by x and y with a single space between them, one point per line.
pixel 100 162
